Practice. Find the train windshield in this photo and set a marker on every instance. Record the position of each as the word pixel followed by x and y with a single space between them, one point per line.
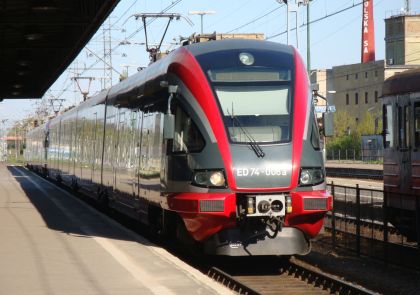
pixel 255 103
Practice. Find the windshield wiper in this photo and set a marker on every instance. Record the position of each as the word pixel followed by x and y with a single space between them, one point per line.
pixel 251 140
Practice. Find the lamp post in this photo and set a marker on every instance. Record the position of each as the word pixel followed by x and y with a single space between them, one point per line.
pixel 3 142
pixel 201 13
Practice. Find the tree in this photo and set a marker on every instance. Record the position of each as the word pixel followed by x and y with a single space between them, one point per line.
pixel 367 124
pixel 346 134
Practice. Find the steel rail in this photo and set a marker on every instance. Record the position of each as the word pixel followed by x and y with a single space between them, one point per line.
pixel 312 277
pixel 354 173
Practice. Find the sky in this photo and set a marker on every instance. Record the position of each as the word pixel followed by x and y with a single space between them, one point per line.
pixel 334 39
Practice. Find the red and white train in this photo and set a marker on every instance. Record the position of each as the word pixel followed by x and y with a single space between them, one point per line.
pixel 217 143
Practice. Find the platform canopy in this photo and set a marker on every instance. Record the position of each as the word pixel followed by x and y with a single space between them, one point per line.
pixel 40 38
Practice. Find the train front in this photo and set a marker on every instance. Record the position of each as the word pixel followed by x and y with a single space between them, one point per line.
pixel 256 178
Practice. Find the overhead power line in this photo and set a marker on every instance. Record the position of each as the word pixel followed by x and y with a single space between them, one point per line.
pixel 256 19
pixel 317 20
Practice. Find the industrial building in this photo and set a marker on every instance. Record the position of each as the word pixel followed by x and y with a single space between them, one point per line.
pixel 357 88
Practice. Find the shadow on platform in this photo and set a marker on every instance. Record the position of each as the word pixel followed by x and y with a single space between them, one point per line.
pixel 77 220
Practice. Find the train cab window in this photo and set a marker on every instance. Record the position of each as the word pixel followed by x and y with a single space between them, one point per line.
pixel 265 120
pixel 388 127
pixel 417 124
pixel 188 138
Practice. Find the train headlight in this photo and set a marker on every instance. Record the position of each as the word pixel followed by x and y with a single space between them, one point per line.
pixel 311 176
pixel 217 178
pixel 246 58
pixel 209 178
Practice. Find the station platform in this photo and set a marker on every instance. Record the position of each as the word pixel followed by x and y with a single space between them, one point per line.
pixel 53 243
pixel 353 165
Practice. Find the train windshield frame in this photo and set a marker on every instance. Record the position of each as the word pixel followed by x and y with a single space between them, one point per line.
pixel 252 80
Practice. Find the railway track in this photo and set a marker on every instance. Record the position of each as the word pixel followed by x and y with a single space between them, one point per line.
pixel 344 172
pixel 291 277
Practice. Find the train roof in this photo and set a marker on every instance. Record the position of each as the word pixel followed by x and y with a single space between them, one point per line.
pixel 135 84
pixel 237 44
pixel 405 82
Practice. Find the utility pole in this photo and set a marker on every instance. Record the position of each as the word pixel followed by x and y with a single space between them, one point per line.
pixel 16 151
pixel 3 142
pixel 293 7
pixel 407 7
pixel 308 40
pixel 201 14
pixel 107 60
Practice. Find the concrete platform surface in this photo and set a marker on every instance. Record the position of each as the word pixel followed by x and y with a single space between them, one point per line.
pixel 52 243
pixel 353 165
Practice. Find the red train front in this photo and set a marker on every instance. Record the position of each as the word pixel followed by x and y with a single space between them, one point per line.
pixel 229 158
pixel 251 166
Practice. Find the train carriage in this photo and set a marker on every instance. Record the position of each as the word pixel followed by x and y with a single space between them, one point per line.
pixel 401 134
pixel 217 143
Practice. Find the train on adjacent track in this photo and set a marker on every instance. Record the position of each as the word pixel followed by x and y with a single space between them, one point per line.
pixel 401 135
pixel 216 144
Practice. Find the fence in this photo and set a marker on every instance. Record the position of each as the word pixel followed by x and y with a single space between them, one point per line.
pixel 356 155
pixel 361 223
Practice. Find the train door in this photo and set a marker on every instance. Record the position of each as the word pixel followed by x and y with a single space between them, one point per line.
pixel 107 170
pixel 124 165
pixel 73 126
pixel 64 149
pixel 137 152
pixel 99 149
pixel 133 152
pixel 68 149
pixel 155 157
pixel 94 147
pixel 415 153
pixel 83 148
pixel 404 141
pixel 139 155
pixel 59 147
pixel 119 147
pixel 144 167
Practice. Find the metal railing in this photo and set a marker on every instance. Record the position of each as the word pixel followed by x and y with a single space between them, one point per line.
pixel 361 223
pixel 356 155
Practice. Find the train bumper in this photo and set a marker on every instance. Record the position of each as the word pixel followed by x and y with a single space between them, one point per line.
pixel 234 242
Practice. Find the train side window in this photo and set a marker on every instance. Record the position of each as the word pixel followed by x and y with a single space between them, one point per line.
pixel 388 127
pixel 187 138
pixel 400 126
pixel 417 124
pixel 407 126
pixel 403 127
